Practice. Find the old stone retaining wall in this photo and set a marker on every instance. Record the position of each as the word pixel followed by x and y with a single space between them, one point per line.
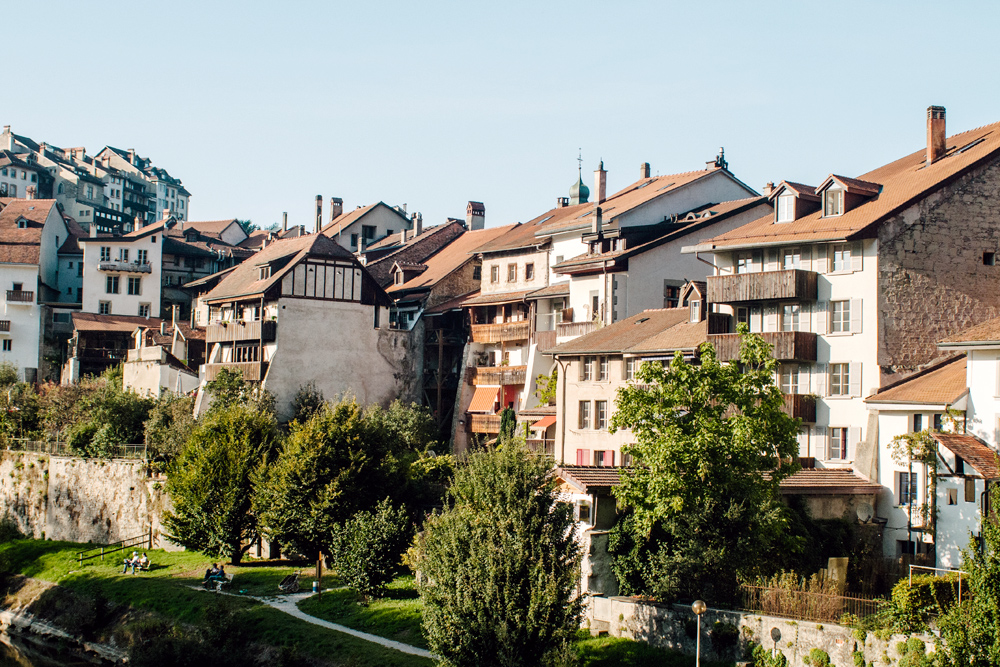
pixel 81 500
pixel 664 626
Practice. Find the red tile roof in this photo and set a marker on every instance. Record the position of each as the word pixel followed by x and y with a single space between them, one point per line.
pixel 22 245
pixel 121 323
pixel 625 334
pixel 590 479
pixel 448 259
pixel 940 384
pixel 973 451
pixel 496 298
pixel 827 481
pixel 985 333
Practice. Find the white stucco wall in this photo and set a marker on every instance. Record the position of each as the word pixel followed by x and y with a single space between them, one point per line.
pixel 520 260
pixel 25 318
pixel 714 188
pixel 95 280
pixel 983 380
pixel 380 217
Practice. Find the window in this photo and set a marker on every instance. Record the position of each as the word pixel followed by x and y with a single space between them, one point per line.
pixel 142 257
pixel 246 352
pixel 354 240
pixel 582 457
pixel 840 379
pixel 788 378
pixel 989 258
pixel 695 311
pixel 786 208
pixel 744 262
pixel 511 273
pixel 604 458
pixel 970 490
pixel 840 316
pixel 833 202
pixel 837 449
pixel 952 496
pixel 104 308
pixel 90 192
pixel 18 287
pixel 559 259
pixel 671 295
pixel 601 412
pixel 143 310
pixel 790 317
pixel 584 415
pixel 743 316
pixel 791 258
pixel 938 421
pixel 587 369
pixel 135 286
pixel 906 488
pixel 398 279
pixel 377 309
pixel 123 254
pixel 918 423
pixel 105 254
pixel 494 274
pixel 263 272
pixel 111 285
pixel 388 232
pixel 602 369
pixel 630 368
pixel 368 232
pixel 584 508
pixel 529 271
pixel 7 345
pixel 477 273
pixel 841 257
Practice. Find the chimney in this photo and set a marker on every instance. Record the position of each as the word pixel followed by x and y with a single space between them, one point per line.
pixel 336 208
pixel 600 184
pixel 598 221
pixel 163 328
pixel 768 188
pixel 319 213
pixel 131 156
pixel 175 314
pixel 418 224
pixel 284 221
pixel 562 202
pixel 93 230
pixel 166 213
pixel 936 137
pixel 475 215
pixel 402 235
pixel 644 170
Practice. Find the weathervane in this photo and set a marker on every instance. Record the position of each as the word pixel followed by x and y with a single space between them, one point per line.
pixel 579 159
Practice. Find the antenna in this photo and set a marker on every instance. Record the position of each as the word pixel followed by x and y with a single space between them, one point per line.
pixel 865 512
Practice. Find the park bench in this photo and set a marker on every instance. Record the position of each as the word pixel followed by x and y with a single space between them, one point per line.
pixel 219 584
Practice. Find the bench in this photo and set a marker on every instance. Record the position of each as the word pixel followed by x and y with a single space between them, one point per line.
pixel 219 584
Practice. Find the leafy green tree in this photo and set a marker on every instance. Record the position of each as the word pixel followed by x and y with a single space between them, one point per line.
pixel 170 424
pixel 307 402
pixel 547 384
pixel 712 443
pixel 212 482
pixel 20 409
pixel 367 550
pixel 248 226
pixel 229 388
pixel 499 566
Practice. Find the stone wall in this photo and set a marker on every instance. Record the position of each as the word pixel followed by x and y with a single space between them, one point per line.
pixel 665 626
pixel 932 279
pixel 81 500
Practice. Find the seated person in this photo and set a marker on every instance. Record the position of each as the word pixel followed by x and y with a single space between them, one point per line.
pixel 131 562
pixel 221 576
pixel 144 562
pixel 211 573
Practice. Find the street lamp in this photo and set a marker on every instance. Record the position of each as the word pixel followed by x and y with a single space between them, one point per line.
pixel 698 608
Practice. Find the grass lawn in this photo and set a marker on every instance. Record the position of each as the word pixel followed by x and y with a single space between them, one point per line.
pixel 615 652
pixel 166 590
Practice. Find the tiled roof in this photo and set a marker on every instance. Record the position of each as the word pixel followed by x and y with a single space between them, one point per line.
pixel 855 185
pixel 417 250
pixel 973 451
pixel 120 323
pixel 903 182
pixel 986 333
pixel 456 303
pixel 827 481
pixel 625 334
pixel 589 479
pixel 940 384
pixel 683 336
pixel 448 259
pixel 393 239
pixel 22 245
pixel 345 220
pixel 496 298
pixel 800 190
pixel 555 289
pixel 212 279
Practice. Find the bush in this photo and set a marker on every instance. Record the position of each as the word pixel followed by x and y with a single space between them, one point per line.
pixel 307 402
pixel 170 424
pixel 817 658
pixel 762 657
pixel 368 549
pixel 9 530
pixel 912 606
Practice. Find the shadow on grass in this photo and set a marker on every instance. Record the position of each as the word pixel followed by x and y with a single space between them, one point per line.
pixel 618 652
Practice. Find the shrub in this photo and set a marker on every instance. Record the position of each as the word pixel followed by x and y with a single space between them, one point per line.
pixel 912 605
pixel 367 550
pixel 817 658
pixel 762 658
pixel 307 402
pixel 170 424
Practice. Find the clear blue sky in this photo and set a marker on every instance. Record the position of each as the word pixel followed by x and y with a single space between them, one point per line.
pixel 260 106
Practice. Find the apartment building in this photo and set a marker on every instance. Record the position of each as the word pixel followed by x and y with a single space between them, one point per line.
pixel 122 275
pixel 142 189
pixel 855 280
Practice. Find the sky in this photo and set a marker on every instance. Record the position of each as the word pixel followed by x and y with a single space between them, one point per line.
pixel 259 106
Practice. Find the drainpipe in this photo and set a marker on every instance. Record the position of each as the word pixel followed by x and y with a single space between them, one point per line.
pixel 562 422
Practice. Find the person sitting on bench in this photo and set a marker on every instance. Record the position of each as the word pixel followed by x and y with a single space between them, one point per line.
pixel 211 573
pixel 143 562
pixel 131 562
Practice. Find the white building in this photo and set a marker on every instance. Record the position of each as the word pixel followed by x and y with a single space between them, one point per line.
pixel 122 274
pixel 365 225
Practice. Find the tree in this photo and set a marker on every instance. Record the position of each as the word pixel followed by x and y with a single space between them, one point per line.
pixel 170 424
pixel 508 425
pixel 212 482
pixel 711 446
pixel 307 402
pixel 247 226
pixel 367 550
pixel 547 384
pixel 229 388
pixel 499 566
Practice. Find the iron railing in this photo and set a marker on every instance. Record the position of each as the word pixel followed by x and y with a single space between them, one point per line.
pixel 806 606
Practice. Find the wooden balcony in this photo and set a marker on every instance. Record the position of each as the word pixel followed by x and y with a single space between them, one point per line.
pixel 496 375
pixel 253 371
pixel 489 424
pixel 545 339
pixel 788 345
pixel 801 406
pixel 125 267
pixel 540 446
pixel 505 332
pixel 20 296
pixel 766 286
pixel 228 332
pixel 5 326
pixel 574 328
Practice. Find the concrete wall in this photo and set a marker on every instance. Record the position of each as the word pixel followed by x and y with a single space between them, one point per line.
pixel 80 500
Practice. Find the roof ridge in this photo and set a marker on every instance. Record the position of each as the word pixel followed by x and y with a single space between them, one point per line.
pixel 948 359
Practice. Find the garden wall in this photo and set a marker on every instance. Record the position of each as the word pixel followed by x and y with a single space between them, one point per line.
pixel 81 500
pixel 671 626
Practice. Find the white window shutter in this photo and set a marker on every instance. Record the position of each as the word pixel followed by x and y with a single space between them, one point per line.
pixel 819 379
pixel 856 256
pixel 855 371
pixel 820 259
pixel 819 442
pixel 805 259
pixel 758 260
pixel 803 379
pixel 821 317
pixel 772 260
pixel 771 318
pixel 855 315
pixel 854 440
pixel 756 320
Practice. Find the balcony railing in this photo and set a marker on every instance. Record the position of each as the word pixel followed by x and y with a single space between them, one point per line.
pixel 574 328
pixel 541 446
pixel 788 345
pixel 766 286
pixel 20 296
pixel 227 332
pixel 126 267
pixel 500 333
pixel 800 406
pixel 252 371
pixel 496 374
pixel 484 423
pixel 5 326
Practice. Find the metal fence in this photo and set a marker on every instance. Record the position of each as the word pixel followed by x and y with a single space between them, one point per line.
pixel 60 448
pixel 806 606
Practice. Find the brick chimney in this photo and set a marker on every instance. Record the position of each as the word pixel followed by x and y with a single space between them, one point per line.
pixel 402 235
pixel 600 184
pixel 936 136
pixel 131 156
pixel 319 213
pixel 562 202
pixel 475 215
pixel 336 208
pixel 644 170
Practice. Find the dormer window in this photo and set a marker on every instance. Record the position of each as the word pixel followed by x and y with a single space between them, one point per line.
pixel 833 202
pixel 22 223
pixel 399 278
pixel 263 272
pixel 786 208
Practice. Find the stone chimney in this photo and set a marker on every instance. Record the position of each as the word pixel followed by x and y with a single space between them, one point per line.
pixel 475 215
pixel 936 136
pixel 131 156
pixel 93 230
pixel 319 213
pixel 284 221
pixel 562 202
pixel 418 224
pixel 768 188
pixel 336 208
pixel 598 221
pixel 600 184
pixel 402 235
pixel 644 170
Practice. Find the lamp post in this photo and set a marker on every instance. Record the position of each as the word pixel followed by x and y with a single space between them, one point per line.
pixel 698 608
